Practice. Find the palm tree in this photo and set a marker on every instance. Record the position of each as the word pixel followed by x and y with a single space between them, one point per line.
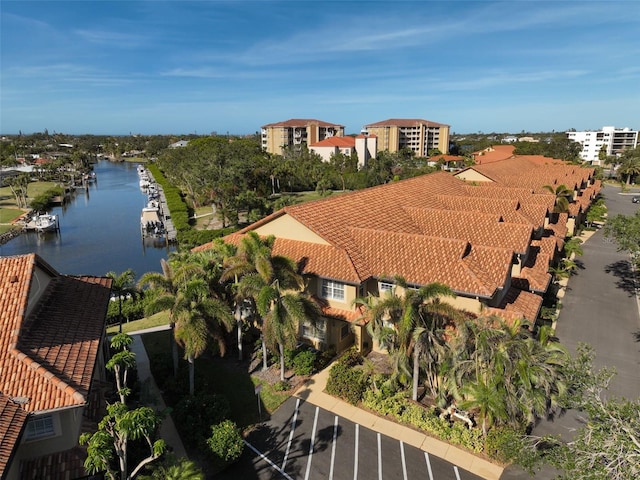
pixel 563 195
pixel 162 288
pixel 122 286
pixel 197 318
pixel 630 163
pixel 282 312
pixel 252 268
pixel 410 325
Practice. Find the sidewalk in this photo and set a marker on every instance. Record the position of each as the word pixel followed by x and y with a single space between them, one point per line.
pixel 151 397
pixel 313 392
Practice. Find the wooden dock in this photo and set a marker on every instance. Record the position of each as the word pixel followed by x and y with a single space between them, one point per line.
pixel 171 234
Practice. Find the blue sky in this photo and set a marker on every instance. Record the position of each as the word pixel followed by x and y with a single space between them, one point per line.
pixel 172 67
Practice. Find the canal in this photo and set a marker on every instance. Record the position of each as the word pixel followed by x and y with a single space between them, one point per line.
pixel 99 229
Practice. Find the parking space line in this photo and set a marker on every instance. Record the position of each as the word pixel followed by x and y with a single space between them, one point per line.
pixel 455 469
pixel 426 458
pixel 262 456
pixel 333 446
pixel 293 427
pixel 379 459
pixel 313 436
pixel 404 462
pixel 355 463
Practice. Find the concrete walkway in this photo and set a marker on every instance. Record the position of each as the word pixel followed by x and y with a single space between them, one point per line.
pixel 151 397
pixel 313 392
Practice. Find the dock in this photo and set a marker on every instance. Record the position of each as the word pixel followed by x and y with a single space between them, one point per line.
pixel 161 212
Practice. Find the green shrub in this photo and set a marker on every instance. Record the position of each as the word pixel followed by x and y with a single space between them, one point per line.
pixel 194 416
pixel 504 444
pixel 346 383
pixel 225 443
pixel 304 362
pixel 351 357
pixel 281 386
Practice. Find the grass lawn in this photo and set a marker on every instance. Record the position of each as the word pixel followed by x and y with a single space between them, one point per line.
pixel 225 376
pixel 5 228
pixel 7 215
pixel 7 199
pixel 161 318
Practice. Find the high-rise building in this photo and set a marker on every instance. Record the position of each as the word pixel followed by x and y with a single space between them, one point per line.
pixel 418 135
pixel 610 140
pixel 297 131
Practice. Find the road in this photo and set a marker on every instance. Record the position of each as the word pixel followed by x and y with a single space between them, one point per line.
pixel 600 308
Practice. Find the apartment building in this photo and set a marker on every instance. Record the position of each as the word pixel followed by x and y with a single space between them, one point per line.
pixel 418 135
pixel 297 131
pixel 365 147
pixel 613 140
pixel 489 233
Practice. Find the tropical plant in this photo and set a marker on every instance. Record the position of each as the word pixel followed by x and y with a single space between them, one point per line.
pixel 253 268
pixel 199 317
pixel 121 362
pixel 563 196
pixel 111 442
pixel 411 325
pixel 178 469
pixel 122 287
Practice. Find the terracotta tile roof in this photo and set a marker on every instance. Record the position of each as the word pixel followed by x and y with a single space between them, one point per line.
pixel 48 356
pixel 535 271
pixel 342 142
pixel 477 228
pixel 518 304
pixel 405 122
pixel 12 422
pixel 302 122
pixel 493 154
pixel 59 465
pixel 422 260
pixel 351 316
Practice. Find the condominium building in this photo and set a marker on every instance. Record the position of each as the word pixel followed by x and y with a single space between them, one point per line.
pixel 418 135
pixel 613 140
pixel 363 145
pixel 297 131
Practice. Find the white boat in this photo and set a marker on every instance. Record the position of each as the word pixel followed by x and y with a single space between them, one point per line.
pixel 46 222
pixel 150 220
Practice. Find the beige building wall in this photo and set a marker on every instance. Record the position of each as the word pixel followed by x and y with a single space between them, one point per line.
pixel 472 175
pixel 390 138
pixel 287 227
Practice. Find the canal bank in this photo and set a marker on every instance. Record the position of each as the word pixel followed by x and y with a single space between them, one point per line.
pixel 99 229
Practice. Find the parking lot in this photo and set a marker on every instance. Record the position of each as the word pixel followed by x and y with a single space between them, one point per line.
pixel 304 442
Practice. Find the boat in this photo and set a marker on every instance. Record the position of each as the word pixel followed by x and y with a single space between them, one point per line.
pixel 46 222
pixel 150 220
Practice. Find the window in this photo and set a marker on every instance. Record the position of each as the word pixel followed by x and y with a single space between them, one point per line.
pixel 40 427
pixel 319 332
pixel 385 287
pixel 332 290
pixel 345 331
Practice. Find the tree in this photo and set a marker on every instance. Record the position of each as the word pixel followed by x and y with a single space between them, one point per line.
pixel 253 268
pixel 630 163
pixel 111 442
pixel 121 362
pixel 199 317
pixel 162 289
pixel 563 197
pixel 410 325
pixel 122 286
pixel 625 230
pixel 282 312
pixel 182 469
pixel 608 443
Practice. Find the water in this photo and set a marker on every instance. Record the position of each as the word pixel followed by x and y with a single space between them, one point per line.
pixel 99 229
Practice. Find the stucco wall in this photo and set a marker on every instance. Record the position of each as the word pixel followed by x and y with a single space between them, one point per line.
pixel 287 227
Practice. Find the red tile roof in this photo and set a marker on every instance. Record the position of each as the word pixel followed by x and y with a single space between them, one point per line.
pixel 48 355
pixel 302 122
pixel 493 154
pixel 405 122
pixel 342 142
pixel 12 422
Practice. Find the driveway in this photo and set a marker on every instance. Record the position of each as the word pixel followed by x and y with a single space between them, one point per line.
pixel 600 308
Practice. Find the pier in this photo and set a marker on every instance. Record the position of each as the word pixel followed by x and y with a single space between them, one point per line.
pixel 156 214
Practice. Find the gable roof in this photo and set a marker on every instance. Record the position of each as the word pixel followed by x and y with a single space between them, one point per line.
pixel 405 122
pixel 302 122
pixel 342 142
pixel 12 422
pixel 47 356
